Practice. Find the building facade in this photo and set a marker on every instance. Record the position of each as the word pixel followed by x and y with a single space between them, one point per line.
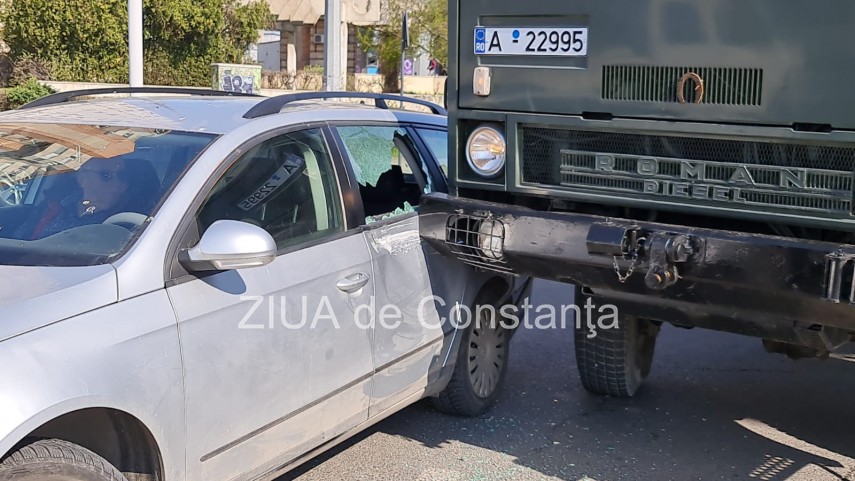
pixel 301 26
pixel 302 45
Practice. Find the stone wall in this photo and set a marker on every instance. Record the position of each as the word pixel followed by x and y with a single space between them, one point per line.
pixel 298 41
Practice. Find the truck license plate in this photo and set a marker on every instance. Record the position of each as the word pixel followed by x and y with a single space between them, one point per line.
pixel 563 42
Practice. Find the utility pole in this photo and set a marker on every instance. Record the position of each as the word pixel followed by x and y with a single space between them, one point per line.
pixel 135 42
pixel 405 44
pixel 333 74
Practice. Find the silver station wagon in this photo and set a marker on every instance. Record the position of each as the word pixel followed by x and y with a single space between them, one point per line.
pixel 200 286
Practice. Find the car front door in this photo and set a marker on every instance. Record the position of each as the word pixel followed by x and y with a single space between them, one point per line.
pixel 392 175
pixel 275 359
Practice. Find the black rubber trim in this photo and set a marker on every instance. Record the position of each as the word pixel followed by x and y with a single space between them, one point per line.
pixel 274 105
pixel 63 97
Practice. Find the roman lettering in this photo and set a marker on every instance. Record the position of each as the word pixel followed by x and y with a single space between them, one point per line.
pixel 651 187
pixel 604 163
pixel 700 191
pixel 791 179
pixel 742 176
pixel 689 170
pixel 720 194
pixel 647 166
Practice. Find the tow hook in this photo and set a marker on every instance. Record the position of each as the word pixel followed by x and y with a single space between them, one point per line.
pixel 664 252
pixel 629 244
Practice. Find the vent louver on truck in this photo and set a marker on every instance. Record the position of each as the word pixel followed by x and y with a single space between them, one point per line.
pixel 722 86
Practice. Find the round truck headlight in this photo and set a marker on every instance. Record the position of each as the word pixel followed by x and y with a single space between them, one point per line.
pixel 485 151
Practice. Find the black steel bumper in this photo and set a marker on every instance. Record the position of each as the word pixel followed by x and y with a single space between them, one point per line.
pixel 787 290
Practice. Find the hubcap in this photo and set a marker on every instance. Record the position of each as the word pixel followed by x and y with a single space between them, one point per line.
pixel 486 356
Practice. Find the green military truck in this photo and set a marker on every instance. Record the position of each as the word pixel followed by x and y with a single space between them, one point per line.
pixel 689 162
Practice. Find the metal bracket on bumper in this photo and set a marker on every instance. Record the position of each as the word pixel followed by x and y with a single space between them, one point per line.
pixel 839 277
pixel 661 251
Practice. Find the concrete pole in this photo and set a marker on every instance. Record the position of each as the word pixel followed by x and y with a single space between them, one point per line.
pixel 405 44
pixel 333 74
pixel 135 42
pixel 345 40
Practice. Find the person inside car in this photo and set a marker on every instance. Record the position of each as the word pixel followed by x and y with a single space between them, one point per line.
pixel 100 189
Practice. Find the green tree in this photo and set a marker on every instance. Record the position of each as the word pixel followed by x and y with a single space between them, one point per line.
pixel 242 23
pixel 86 40
pixel 73 36
pixel 433 20
pixel 428 29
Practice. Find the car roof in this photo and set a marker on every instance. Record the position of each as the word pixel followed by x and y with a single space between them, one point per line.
pixel 214 114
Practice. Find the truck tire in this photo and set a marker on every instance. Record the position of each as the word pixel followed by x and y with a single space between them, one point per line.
pixel 615 362
pixel 479 373
pixel 56 460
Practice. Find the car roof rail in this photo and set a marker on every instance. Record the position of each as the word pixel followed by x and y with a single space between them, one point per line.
pixel 273 105
pixel 61 97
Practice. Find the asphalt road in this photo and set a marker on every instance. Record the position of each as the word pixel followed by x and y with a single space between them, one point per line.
pixel 715 407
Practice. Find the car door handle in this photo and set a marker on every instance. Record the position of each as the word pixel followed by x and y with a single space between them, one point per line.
pixel 353 282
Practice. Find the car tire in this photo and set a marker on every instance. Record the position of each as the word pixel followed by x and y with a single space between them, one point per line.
pixel 480 369
pixel 56 460
pixel 615 362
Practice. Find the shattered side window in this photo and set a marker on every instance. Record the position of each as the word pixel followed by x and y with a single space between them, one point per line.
pixel 387 184
pixel 371 150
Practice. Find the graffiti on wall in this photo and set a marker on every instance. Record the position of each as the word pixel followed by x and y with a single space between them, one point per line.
pixel 237 78
pixel 237 83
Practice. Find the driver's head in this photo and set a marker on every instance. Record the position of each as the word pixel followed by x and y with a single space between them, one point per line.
pixel 103 182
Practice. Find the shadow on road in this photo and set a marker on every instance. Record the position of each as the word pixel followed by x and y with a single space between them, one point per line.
pixel 716 407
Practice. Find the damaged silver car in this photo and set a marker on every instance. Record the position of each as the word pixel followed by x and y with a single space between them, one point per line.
pixel 212 286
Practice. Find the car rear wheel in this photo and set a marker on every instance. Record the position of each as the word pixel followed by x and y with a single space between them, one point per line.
pixel 56 460
pixel 616 361
pixel 479 373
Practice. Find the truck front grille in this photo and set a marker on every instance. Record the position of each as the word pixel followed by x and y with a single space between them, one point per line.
pixel 692 170
pixel 722 86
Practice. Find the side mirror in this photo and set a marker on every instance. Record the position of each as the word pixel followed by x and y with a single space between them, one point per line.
pixel 230 244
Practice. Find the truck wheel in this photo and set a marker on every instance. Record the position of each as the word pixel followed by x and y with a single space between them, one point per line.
pixel 56 460
pixel 615 362
pixel 479 373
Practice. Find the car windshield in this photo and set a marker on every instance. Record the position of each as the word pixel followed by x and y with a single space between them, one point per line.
pixel 75 195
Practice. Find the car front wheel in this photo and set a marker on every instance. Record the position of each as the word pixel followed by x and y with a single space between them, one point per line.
pixel 56 460
pixel 482 362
